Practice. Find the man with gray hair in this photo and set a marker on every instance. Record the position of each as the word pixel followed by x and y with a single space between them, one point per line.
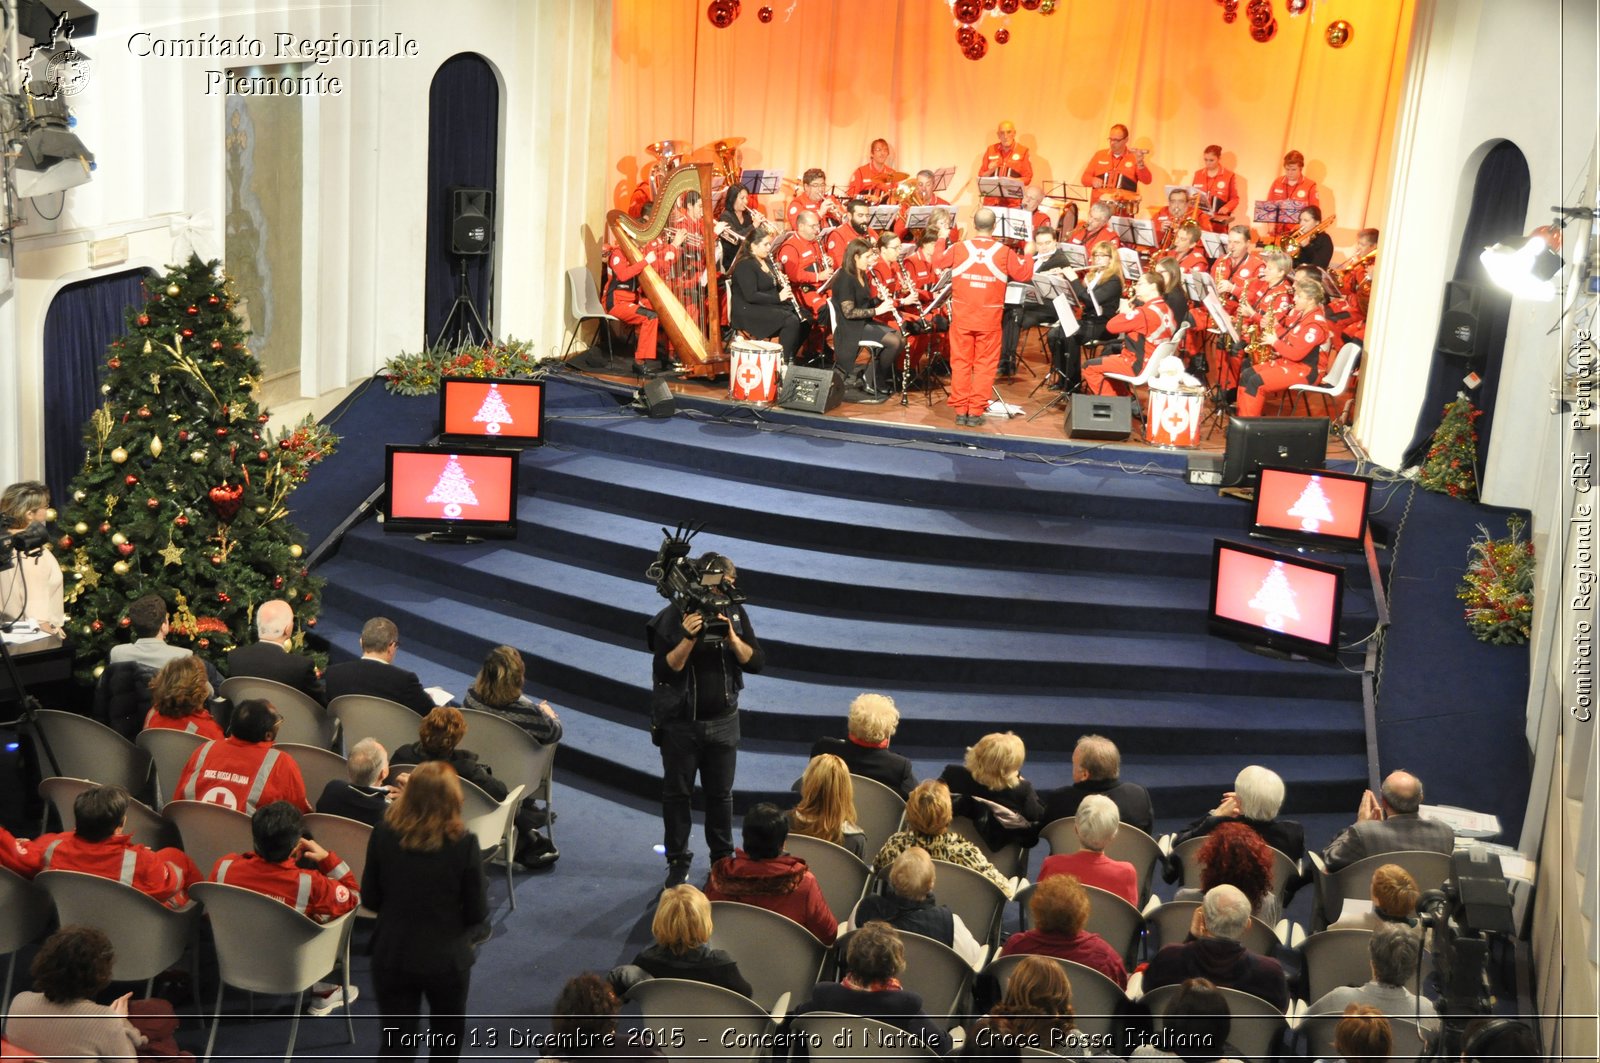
pixel 1393 950
pixel 1096 824
pixel 1216 954
pixel 364 797
pixel 1390 825
pixel 1255 799
pixel 375 674
pixel 1096 769
pixel 272 655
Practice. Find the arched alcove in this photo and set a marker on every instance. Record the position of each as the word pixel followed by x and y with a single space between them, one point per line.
pixel 463 152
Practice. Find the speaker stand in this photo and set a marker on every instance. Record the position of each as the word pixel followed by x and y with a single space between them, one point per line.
pixel 463 313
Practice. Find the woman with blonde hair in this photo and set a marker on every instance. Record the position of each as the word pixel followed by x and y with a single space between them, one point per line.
pixel 1036 1012
pixel 178 696
pixel 827 807
pixel 872 724
pixel 989 790
pixel 424 878
pixel 928 818
pixel 32 587
pixel 682 946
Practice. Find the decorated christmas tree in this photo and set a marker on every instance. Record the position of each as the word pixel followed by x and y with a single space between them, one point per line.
pixel 453 489
pixel 493 412
pixel 1275 598
pixel 184 491
pixel 1451 465
pixel 1312 506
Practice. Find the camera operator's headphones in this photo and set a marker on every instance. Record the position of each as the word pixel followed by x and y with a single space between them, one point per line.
pixel 1478 1044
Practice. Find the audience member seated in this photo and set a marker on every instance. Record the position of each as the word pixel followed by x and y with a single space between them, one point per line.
pixel 1393 951
pixel 928 819
pixel 375 674
pixel 1196 1027
pixel 1036 1012
pixel 873 721
pixel 1363 1036
pixel 243 771
pixel 272 655
pixel 98 846
pixel 910 906
pixel 1096 823
pixel 1493 1040
pixel 1394 900
pixel 764 875
pixel 989 789
pixel 498 689
pixel 682 946
pixel 1255 800
pixel 1096 769
pixel 870 986
pixel 1216 954
pixel 583 1024
pixel 289 864
pixel 31 588
pixel 178 697
pixel 1235 854
pixel 1389 826
pixel 365 797
pixel 1060 909
pixel 58 1019
pixel 122 694
pixel 827 807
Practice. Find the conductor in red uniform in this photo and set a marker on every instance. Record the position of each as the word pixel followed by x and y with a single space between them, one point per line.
pixel 979 270
pixel 1006 158
pixel 1116 168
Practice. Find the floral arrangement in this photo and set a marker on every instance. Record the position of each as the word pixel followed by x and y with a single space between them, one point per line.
pixel 1498 587
pixel 419 373
pixel 1451 465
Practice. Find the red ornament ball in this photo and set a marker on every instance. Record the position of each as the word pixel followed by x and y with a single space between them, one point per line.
pixel 967 10
pixel 311 621
pixel 183 435
pixel 144 319
pixel 66 542
pixel 152 503
pixel 1030 5
pixel 188 333
pixel 277 582
pixel 130 479
pixel 222 596
pixel 216 345
pixel 181 520
pixel 144 412
pixel 1263 34
pixel 216 559
pixel 125 549
pixel 978 48
pixel 221 433
pixel 263 455
pixel 1002 36
pixel 721 13
pixel 308 597
pixel 205 643
pixel 764 14
pixel 1260 13
pixel 1010 6
pixel 115 363
pixel 212 300
pixel 124 622
pixel 193 310
pixel 990 5
pixel 1230 13
pixel 105 527
pixel 97 627
pixel 263 418
pixel 965 36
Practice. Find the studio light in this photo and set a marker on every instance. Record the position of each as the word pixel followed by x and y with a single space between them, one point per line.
pixel 1526 270
pixel 50 156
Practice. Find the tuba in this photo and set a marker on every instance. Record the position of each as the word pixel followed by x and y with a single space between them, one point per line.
pixel 727 165
pixel 669 156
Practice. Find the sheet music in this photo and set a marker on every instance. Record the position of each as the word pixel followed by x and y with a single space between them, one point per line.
pixel 1140 232
pixel 1069 320
pixel 1016 292
pixel 942 178
pixel 1013 223
pixel 1216 244
pixel 1131 267
pixel 884 216
pixel 1077 255
pixel 1197 286
pixel 922 217
pixel 1001 187
pixel 1279 211
pixel 1219 316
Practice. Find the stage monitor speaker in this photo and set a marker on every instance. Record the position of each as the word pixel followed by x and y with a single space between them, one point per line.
pixel 470 226
pixel 1458 323
pixel 657 399
pixel 811 390
pixel 1100 417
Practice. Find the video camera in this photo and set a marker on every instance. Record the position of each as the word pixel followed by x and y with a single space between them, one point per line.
pixel 694 586
pixel 1468 910
pixel 29 540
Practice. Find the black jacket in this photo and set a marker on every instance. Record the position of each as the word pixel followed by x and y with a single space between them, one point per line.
pixel 427 903
pixel 365 804
pixel 466 763
pixel 712 966
pixel 1131 799
pixel 267 660
pixel 379 680
pixel 879 765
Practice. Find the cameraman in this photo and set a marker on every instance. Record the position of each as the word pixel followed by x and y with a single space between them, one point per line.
pixel 694 713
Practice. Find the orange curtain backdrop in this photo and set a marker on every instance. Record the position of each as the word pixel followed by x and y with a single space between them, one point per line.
pixel 825 77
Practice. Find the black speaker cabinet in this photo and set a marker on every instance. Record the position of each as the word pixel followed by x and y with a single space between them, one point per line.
pixel 658 400
pixel 1458 323
pixel 1100 417
pixel 811 390
pixel 470 226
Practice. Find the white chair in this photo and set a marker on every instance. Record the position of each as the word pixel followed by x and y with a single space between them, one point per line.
pixel 939 975
pixel 1171 922
pixel 265 946
pixel 145 824
pixel 345 838
pixel 880 811
pixel 169 750
pixel 1284 869
pixel 835 1035
pixel 25 914
pixel 305 721
pixel 1096 999
pixel 318 766
pixel 1255 1026
pixel 1011 858
pixel 1335 958
pixel 843 878
pixel 515 758
pixel 362 716
pixel 702 1021
pixel 210 831
pixel 1152 365
pixel 1110 916
pixel 494 827
pixel 1333 383
pixel 1430 869
pixel 777 954
pixel 1130 845
pixel 146 936
pixel 584 301
pixel 88 749
pixel 972 896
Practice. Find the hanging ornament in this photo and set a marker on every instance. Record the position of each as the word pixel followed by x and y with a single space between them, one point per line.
pixel 96 626
pixel 199 457
pixel 1002 35
pixel 118 538
pixel 978 48
pixel 217 559
pixel 1338 35
pixel 144 412
pixel 115 363
pixel 311 621
pixel 119 455
pixel 155 446
pixel 989 5
pixel 1230 12
pixel 126 549
pixel 764 14
pixel 173 289
pixel 1047 7
pixel 143 319
pixel 152 503
pixel 967 11
pixel 222 433
pixel 81 528
pixel 222 596
pixel 105 528
pixel 226 499
pixel 263 455
pixel 172 553
pixel 181 520
pixel 1030 5
pixel 1010 6
pixel 295 550
pixel 277 582
pixel 188 333
pixel 78 495
pixel 130 479
pixel 193 310
pixel 183 435
pixel 721 13
pixel 216 345
pixel 1260 12
pixel 120 568
pixel 66 542
pixel 1263 34
pixel 212 300
pixel 965 36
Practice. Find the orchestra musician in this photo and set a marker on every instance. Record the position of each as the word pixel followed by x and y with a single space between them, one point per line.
pixel 979 269
pixel 757 305
pixel 1234 271
pixel 1354 279
pixel 737 221
pixel 1096 230
pixel 803 262
pixel 855 228
pixel 1219 193
pixel 1292 184
pixel 1190 255
pixel 1318 250
pixel 628 304
pixel 1032 196
pixel 1189 250
pixel 856 305
pixel 1098 288
pixel 1048 257
pixel 871 180
pixel 1173 292
pixel 1143 322
pixel 1174 214
pixel 1272 292
pixel 1297 354
pixel 688 280
pixel 812 195
pixel 919 266
pixel 1116 168
pixel 1006 158
pixel 925 196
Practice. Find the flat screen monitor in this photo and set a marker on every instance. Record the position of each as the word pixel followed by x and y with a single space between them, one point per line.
pixel 1322 508
pixel 491 410
pixel 451 491
pixel 1300 442
pixel 1279 601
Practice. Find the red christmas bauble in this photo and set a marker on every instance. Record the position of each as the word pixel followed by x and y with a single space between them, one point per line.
pixel 311 621
pixel 277 582
pixel 965 36
pixel 216 345
pixel 1263 34
pixel 144 411
pixel 124 622
pixel 967 10
pixel 144 319
pixel 1229 14
pixel 1010 6
pixel 115 363
pixel 1260 13
pixel 1002 35
pixel 222 596
pixel 66 542
pixel 125 549
pixel 764 14
pixel 181 520
pixel 263 455
pixel 721 13
pixel 263 418
pixel 105 527
pixel 183 435
pixel 205 644
pixel 309 596
pixel 213 300
pixel 216 559
pixel 1030 5
pixel 152 503
pixel 990 5
pixel 221 433
pixel 978 48
pixel 130 479
pixel 97 627
pixel 188 333
pixel 193 310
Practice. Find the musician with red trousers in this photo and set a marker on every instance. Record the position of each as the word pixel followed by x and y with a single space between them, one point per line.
pixel 1143 323
pixel 1297 355
pixel 628 304
pixel 980 269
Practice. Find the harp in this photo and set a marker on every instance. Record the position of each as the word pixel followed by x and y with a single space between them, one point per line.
pixel 685 291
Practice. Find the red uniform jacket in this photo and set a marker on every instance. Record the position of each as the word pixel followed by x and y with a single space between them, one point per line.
pixel 1300 339
pixel 16 854
pixel 802 263
pixel 1304 192
pixel 836 240
pixel 622 285
pixel 900 226
pixel 1040 218
pixel 1082 235
pixel 324 894
pixel 1279 298
pixel 980 268
pixel 1142 327
pixel 997 162
pixel 244 776
pixel 1240 273
pixel 1106 171
pixel 803 202
pixel 1218 195
pixel 871 182
pixel 923 275
pixel 164 874
pixel 1164 220
pixel 200 723
pixel 1195 260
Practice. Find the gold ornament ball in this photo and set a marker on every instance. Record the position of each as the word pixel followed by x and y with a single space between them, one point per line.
pixel 51 514
pixel 81 528
pixel 120 568
pixel 119 455
pixel 119 538
pixel 105 389
pixel 261 509
pixel 198 457
pixel 295 550
pixel 99 669
pixel 78 496
pixel 155 446
pixel 173 289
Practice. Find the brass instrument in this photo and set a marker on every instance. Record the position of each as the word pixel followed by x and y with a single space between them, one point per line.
pixel 727 164
pixel 701 350
pixel 1263 349
pixel 1350 264
pixel 1170 237
pixel 906 194
pixel 669 156
pixel 1294 242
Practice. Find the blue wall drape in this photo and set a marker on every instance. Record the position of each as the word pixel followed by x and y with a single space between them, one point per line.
pixel 1499 211
pixel 82 321
pixel 463 152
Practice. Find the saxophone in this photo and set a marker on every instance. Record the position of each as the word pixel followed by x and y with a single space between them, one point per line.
pixel 1261 348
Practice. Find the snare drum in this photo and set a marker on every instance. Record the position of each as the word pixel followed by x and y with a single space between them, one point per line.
pixel 1175 416
pixel 753 370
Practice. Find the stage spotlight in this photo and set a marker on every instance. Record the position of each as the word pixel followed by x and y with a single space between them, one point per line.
pixel 1527 271
pixel 50 156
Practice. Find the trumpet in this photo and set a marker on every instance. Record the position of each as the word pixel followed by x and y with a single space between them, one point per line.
pixel 1351 263
pixel 1295 242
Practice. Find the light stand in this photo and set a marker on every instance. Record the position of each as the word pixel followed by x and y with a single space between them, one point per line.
pixel 463 312
pixel 12 547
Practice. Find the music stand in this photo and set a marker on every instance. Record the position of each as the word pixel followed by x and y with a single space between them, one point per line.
pixel 1132 268
pixel 1013 223
pixel 840 193
pixel 942 290
pixel 1055 289
pixel 922 217
pixel 1065 192
pixel 1138 233
pixel 942 178
pixel 1279 212
pixel 761 182
pixel 1000 188
pixel 1216 244
pixel 1077 255
pixel 883 217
